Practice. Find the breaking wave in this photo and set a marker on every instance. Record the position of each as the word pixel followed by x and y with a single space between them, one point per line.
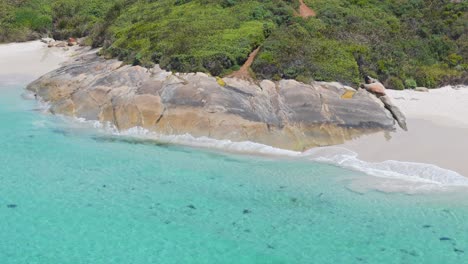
pixel 339 156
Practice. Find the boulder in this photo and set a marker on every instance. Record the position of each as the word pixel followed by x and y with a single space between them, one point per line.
pixel 286 114
pixel 72 42
pixel 376 88
pixel 47 40
pixel 60 44
pixel 81 41
pixel 395 111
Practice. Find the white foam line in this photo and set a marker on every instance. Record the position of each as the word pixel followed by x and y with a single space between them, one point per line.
pixel 339 156
pixel 410 171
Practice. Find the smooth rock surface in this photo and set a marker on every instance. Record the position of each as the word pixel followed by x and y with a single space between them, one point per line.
pixel 286 114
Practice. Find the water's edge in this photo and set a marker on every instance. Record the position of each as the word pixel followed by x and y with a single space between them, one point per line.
pixel 427 174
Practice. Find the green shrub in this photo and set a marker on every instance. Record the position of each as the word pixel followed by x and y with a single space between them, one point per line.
pixel 291 52
pixel 394 83
pixel 27 19
pixel 410 83
pixel 217 63
pixel 454 59
pixel 436 75
pixel 217 39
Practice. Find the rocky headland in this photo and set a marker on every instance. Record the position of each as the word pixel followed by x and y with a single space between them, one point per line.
pixel 286 114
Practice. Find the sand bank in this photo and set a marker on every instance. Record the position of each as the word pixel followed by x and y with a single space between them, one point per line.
pixel 438 131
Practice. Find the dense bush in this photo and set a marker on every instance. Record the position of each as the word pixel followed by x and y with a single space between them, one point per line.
pixel 423 42
pixel 22 20
pixel 403 39
pixel 394 83
pixel 434 75
pixel 410 84
pixel 199 35
pixel 293 52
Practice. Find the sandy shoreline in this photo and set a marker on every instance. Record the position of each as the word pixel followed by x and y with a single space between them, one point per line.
pixel 438 131
pixel 438 127
pixel 24 62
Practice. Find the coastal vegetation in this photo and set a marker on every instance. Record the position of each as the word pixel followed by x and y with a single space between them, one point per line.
pixel 23 20
pixel 404 43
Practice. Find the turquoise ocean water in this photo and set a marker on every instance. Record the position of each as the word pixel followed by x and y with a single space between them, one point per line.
pixel 76 196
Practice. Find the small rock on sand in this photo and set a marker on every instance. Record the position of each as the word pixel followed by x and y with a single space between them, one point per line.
pixel 421 89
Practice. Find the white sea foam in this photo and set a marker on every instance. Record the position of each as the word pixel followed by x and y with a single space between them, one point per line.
pixel 342 157
pixel 409 171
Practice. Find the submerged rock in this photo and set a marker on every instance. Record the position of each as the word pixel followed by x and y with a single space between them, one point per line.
pixel 286 114
pixel 445 239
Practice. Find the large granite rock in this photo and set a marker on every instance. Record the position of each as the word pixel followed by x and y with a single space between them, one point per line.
pixel 286 114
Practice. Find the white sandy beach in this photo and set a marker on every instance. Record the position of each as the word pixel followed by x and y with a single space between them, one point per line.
pixel 438 131
pixel 24 62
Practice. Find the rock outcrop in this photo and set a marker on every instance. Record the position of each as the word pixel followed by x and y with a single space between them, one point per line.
pixel 374 86
pixel 285 114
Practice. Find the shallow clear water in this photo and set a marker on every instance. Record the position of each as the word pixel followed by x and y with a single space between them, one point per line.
pixel 74 196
